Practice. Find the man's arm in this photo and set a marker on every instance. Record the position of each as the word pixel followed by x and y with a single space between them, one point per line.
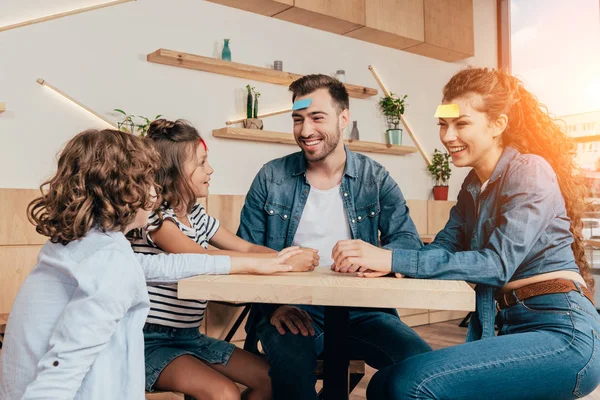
pixel 397 229
pixel 253 228
pixel 253 221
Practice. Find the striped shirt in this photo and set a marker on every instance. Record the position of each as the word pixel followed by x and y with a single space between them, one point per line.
pixel 165 308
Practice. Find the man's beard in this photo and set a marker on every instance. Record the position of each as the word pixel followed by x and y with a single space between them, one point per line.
pixel 329 143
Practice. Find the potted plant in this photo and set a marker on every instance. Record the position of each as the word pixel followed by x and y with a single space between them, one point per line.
pixel 440 170
pixel 392 107
pixel 132 123
pixel 252 121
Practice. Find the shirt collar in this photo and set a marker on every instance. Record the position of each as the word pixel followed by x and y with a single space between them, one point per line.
pixel 349 170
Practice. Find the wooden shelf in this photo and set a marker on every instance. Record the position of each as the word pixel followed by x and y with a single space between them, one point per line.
pixel 207 64
pixel 258 135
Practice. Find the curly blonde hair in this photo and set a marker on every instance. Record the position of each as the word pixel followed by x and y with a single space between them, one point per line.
pixel 103 178
pixel 530 130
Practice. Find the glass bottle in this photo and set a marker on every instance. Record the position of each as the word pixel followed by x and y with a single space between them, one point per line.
pixel 226 53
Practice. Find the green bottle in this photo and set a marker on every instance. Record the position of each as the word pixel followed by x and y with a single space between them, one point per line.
pixel 226 53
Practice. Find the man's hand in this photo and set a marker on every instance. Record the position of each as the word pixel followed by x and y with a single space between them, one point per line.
pixel 350 256
pixel 294 319
pixel 304 261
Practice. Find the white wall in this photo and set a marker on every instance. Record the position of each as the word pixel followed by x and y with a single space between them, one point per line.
pixel 99 59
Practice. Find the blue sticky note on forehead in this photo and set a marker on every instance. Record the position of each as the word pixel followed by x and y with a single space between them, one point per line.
pixel 301 104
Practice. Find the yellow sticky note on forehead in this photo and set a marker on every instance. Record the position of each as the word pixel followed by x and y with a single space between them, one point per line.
pixel 447 111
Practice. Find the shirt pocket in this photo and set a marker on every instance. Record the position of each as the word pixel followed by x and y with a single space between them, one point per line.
pixel 278 217
pixel 367 219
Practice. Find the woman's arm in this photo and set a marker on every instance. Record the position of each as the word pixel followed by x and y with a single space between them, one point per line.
pixel 527 206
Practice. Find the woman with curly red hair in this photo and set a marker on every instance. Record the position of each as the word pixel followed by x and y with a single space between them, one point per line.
pixel 515 232
pixel 75 329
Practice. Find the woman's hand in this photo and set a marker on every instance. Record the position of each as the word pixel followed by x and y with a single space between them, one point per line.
pixel 350 256
pixel 305 260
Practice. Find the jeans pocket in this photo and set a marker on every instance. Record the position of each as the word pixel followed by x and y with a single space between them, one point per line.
pixel 589 377
pixel 556 303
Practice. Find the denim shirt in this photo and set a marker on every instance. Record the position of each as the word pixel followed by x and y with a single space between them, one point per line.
pixel 521 230
pixel 374 205
pixel 75 329
pixel 373 202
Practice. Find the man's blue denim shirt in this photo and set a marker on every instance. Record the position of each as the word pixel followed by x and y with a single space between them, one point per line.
pixel 373 201
pixel 521 230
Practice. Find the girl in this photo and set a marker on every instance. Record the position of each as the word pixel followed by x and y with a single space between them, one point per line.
pixel 516 232
pixel 75 329
pixel 178 356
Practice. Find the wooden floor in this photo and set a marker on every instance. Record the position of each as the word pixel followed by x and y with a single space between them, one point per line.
pixel 440 335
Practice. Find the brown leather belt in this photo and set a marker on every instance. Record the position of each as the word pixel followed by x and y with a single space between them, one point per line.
pixel 536 289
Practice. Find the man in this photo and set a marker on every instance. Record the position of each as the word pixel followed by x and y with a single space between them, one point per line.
pixel 314 198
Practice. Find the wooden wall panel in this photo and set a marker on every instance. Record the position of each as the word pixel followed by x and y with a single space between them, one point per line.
pixel 15 229
pixel 226 208
pixel 418 213
pixel 438 213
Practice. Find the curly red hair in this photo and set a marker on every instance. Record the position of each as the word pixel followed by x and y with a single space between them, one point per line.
pixel 103 178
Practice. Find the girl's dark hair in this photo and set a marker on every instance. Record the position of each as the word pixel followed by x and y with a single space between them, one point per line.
pixel 176 142
pixel 103 178
pixel 530 130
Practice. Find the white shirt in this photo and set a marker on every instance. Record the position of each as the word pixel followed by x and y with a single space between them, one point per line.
pixel 323 223
pixel 75 329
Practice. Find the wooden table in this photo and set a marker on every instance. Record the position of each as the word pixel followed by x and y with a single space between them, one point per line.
pixel 338 293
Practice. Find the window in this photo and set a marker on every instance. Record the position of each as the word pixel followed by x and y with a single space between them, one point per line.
pixel 553 46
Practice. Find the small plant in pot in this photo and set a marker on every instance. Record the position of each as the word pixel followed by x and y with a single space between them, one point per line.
pixel 440 170
pixel 392 107
pixel 252 121
pixel 132 123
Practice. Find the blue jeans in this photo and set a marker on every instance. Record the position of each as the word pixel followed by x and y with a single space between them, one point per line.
pixel 548 347
pixel 375 335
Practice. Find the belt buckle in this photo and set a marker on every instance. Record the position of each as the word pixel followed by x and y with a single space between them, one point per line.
pixel 498 309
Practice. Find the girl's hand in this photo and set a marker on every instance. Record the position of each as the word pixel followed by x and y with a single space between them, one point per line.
pixel 304 261
pixel 350 256
pixel 279 263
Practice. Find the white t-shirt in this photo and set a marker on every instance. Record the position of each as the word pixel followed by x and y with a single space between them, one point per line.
pixel 323 223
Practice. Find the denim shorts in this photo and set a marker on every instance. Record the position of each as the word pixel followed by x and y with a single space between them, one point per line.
pixel 163 344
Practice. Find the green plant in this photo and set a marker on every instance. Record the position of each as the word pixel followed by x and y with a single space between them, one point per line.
pixel 440 168
pixel 249 101
pixel 256 96
pixel 392 107
pixel 132 123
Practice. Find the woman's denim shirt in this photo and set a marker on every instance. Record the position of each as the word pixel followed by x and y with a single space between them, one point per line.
pixel 521 230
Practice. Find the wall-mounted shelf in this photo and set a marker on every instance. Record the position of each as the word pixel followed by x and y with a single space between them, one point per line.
pixel 258 135
pixel 207 64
